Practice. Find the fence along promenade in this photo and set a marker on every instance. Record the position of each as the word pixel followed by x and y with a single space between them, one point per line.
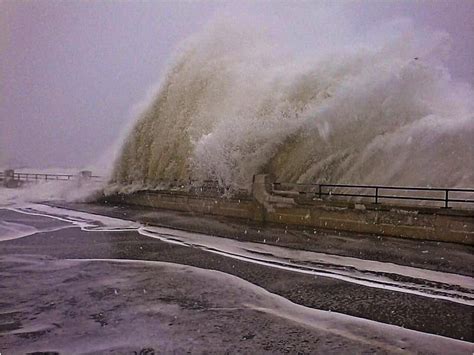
pixel 377 194
pixel 10 178
pixel 442 197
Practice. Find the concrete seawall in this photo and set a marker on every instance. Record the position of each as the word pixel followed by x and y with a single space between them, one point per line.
pixel 265 207
pixel 246 209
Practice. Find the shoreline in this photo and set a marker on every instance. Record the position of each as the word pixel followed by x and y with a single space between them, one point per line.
pixel 407 310
pixel 430 255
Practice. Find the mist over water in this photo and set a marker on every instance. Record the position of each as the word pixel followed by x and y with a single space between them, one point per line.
pixel 382 110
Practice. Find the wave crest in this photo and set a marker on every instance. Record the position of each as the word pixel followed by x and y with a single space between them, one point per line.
pixel 232 106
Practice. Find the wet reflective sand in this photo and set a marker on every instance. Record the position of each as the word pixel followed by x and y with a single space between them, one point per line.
pixel 52 301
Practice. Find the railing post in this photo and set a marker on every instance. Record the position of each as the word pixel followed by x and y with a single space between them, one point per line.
pixel 320 192
pixel 446 198
pixel 376 195
pixel 9 178
pixel 86 175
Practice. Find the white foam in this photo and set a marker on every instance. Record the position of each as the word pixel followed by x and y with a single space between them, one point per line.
pixel 73 190
pixel 391 338
pixel 11 230
pixel 224 293
pixel 358 271
pixel 83 220
pixel 247 249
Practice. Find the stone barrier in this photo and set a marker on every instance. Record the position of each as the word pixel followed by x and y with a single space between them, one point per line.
pixel 9 179
pixel 435 224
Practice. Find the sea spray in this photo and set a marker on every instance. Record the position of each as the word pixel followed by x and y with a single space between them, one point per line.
pixel 230 107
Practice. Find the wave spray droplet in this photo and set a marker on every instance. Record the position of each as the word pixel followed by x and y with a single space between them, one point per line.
pixel 230 107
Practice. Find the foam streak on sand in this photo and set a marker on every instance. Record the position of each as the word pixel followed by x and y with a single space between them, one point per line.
pixel 443 286
pixel 224 293
pixel 11 230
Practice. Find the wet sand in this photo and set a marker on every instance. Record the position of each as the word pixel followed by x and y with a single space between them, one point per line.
pixel 410 311
pixel 439 256
pixel 97 306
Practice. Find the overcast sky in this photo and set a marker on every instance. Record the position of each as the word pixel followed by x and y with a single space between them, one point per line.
pixel 71 71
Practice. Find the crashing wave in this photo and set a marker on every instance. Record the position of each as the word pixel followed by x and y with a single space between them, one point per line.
pixel 377 113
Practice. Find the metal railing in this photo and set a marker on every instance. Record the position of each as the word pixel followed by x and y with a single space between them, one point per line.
pixel 376 193
pixel 43 176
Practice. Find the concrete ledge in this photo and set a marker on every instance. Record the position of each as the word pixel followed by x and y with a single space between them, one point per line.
pixel 178 201
pixel 456 226
pixel 436 225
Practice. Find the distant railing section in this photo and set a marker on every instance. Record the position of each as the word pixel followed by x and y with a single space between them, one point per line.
pixel 11 178
pixel 376 194
pixel 41 176
pixel 443 197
